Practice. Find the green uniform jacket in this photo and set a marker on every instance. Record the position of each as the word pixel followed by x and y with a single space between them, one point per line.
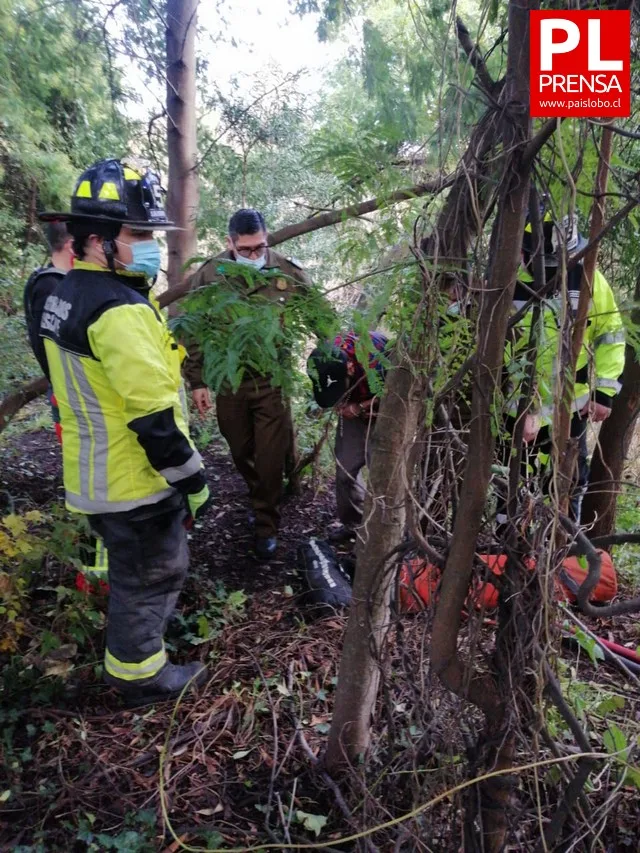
pixel 115 371
pixel 601 359
pixel 276 288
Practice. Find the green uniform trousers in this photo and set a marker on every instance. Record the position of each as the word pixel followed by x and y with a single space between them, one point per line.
pixel 255 421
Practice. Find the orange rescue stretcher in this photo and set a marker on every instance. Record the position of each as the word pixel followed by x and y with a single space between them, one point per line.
pixel 419 582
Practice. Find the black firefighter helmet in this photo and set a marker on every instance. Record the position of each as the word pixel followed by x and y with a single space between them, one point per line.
pixel 111 191
pixel 557 237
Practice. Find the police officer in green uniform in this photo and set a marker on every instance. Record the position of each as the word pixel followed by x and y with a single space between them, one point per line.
pixel 255 420
pixel 128 461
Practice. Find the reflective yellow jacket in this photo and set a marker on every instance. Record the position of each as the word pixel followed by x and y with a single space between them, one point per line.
pixel 115 371
pixel 601 359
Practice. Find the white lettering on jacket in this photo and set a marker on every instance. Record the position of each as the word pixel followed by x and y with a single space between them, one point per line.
pixel 55 310
pixel 57 306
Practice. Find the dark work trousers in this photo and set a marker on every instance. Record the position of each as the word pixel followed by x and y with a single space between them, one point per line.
pixel 256 424
pixel 353 452
pixel 581 477
pixel 530 459
pixel 148 562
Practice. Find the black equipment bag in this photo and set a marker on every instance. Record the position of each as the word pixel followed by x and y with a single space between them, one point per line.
pixel 328 584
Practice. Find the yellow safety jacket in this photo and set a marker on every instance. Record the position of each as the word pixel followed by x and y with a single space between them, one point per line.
pixel 115 371
pixel 601 359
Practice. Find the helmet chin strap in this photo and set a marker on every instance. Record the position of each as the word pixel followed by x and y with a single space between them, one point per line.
pixel 109 252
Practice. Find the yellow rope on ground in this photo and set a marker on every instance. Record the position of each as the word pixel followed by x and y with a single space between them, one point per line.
pixel 366 832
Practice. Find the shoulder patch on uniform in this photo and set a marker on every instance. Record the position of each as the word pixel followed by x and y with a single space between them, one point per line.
pixel 295 262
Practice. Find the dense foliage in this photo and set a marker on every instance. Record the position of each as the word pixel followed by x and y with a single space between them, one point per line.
pixel 60 102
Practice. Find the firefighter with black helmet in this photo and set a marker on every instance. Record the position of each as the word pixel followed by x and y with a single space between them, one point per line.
pixel 128 461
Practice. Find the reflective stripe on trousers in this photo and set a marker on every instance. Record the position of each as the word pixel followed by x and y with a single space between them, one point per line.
pixel 134 671
pixel 100 566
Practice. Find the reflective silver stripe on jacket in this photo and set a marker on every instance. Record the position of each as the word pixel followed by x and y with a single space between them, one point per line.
pixel 92 507
pixel 101 556
pixel 93 432
pixel 191 466
pixel 578 404
pixel 610 338
pixel 183 402
pixel 84 425
pixel 601 382
pixel 574 298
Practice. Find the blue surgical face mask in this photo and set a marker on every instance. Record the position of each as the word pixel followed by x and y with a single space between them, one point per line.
pixel 146 258
pixel 256 263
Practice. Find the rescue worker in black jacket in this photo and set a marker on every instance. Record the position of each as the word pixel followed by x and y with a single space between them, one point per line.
pixel 43 281
pixel 40 285
pixel 128 460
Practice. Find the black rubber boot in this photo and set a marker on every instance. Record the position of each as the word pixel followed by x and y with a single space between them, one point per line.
pixel 167 684
pixel 265 547
pixel 337 535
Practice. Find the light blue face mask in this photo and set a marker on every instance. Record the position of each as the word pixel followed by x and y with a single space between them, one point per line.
pixel 146 258
pixel 256 263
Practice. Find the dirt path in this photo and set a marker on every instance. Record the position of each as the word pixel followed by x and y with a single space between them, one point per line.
pixel 221 544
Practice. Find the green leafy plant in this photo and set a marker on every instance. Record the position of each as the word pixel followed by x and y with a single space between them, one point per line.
pixel 240 330
pixel 218 609
pixel 138 836
pixel 20 548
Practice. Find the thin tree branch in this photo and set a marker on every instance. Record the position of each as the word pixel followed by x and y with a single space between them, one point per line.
pixel 629 134
pixel 354 211
pixel 331 218
pixel 475 57
pixel 290 78
pixel 13 402
pixel 542 136
pixel 606 542
pixel 585 765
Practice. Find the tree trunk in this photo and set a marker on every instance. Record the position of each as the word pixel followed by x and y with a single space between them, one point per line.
pixel 495 307
pixel 462 217
pixel 12 403
pixel 607 465
pixel 182 197
pixel 334 217
pixel 383 526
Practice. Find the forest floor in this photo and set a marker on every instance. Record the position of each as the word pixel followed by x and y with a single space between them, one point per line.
pixel 235 764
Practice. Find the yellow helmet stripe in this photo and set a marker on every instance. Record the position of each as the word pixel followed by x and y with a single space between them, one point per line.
pixel 109 191
pixel 84 190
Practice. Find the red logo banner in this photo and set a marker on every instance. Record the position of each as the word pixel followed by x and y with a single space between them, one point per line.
pixel 580 64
